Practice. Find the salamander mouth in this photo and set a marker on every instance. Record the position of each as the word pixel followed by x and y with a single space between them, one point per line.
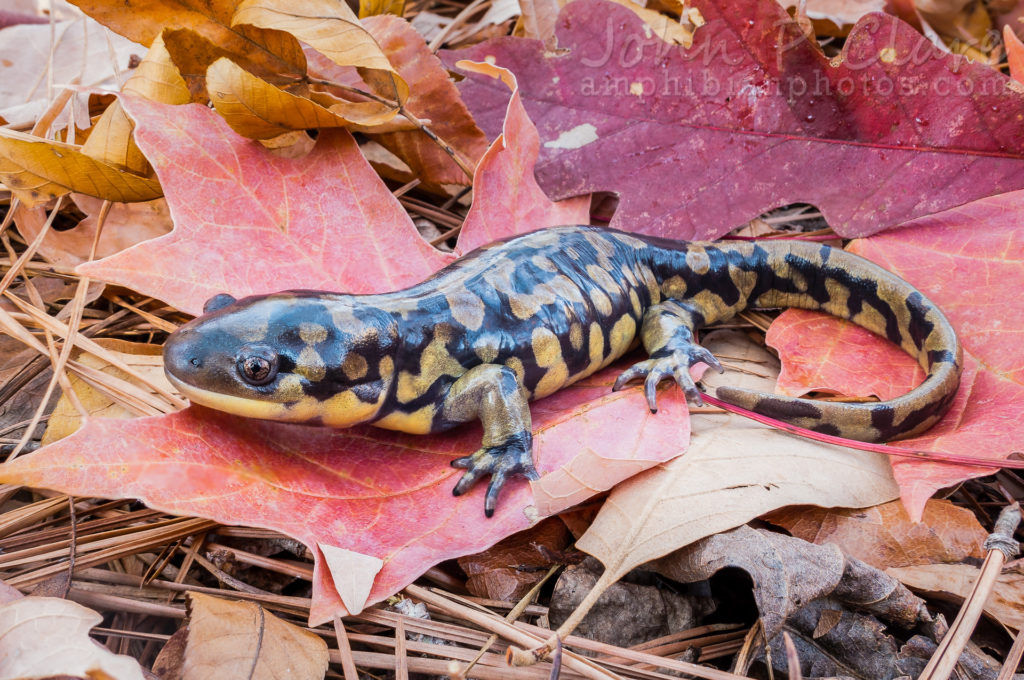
pixel 250 408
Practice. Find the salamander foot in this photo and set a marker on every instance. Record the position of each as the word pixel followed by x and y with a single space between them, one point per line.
pixel 672 364
pixel 512 457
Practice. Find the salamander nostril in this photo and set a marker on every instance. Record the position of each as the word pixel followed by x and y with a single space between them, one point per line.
pixel 196 362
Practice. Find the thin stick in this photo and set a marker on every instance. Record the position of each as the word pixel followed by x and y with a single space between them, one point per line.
pixel 497 625
pixel 1000 545
pixel 460 18
pixel 1009 668
pixel 348 665
pixel 513 614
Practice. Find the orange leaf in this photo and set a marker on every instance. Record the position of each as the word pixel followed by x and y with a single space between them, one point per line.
pixel 884 536
pixel 822 353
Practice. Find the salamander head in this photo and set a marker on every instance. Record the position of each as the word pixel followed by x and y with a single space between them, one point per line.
pixel 299 356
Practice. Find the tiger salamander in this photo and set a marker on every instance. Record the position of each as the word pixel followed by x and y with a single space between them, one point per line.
pixel 521 318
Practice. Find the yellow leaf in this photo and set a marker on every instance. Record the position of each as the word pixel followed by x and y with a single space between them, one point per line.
pixel 332 29
pixel 263 52
pixel 111 138
pixel 254 108
pixel 37 169
pixel 369 8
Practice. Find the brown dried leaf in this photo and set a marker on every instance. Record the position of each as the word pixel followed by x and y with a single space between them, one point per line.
pixel 507 570
pixel 229 638
pixel 111 138
pixel 332 29
pixel 884 536
pixel 126 224
pixel 955 581
pixel 47 636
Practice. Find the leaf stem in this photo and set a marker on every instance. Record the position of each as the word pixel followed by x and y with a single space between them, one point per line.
pixel 402 110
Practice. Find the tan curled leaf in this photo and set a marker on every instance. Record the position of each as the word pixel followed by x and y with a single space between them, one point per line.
pixel 665 27
pixel 955 582
pixel 265 51
pixel 232 639
pixel 48 636
pixel 37 169
pixel 257 109
pixel 155 78
pixel 332 29
pixel 733 471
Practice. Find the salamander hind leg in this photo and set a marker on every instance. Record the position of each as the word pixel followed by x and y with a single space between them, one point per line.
pixel 491 392
pixel 668 336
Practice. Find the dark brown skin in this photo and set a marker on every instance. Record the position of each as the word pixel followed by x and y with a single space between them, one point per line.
pixel 522 318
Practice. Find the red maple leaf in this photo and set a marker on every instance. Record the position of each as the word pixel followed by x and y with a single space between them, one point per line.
pixel 374 506
pixel 753 116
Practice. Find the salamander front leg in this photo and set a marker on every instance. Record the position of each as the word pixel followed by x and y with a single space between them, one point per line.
pixel 492 393
pixel 668 336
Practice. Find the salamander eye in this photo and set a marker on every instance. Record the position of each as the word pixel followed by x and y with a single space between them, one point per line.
pixel 257 364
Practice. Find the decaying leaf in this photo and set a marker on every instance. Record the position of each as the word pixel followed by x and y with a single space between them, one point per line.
pixel 142 358
pixel 46 636
pixel 789 573
pixel 125 225
pixel 508 569
pixel 332 29
pixel 270 51
pixel 234 639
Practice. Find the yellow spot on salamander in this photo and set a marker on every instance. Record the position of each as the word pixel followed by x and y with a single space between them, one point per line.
pixel 576 336
pixel 547 351
pixel 354 367
pixel 596 345
pixel 517 366
pixel 310 365
pixel 467 309
pixel 312 333
pixel 697 260
pixel 634 300
pixel 622 335
pixel 345 409
pixel 434 363
pixel 552 381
